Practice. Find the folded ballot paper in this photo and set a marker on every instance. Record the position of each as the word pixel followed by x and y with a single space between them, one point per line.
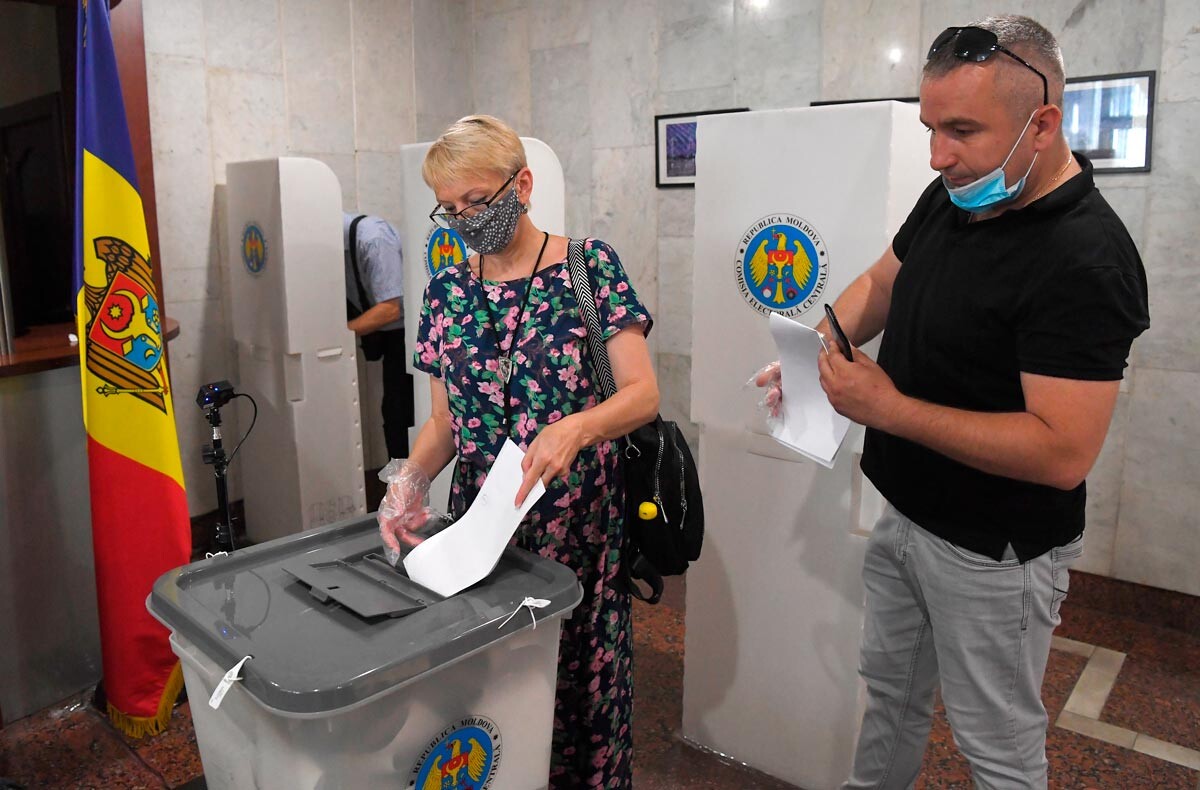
pixel 466 551
pixel 807 422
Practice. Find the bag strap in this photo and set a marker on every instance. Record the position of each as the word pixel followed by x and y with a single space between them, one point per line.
pixel 363 303
pixel 634 566
pixel 581 283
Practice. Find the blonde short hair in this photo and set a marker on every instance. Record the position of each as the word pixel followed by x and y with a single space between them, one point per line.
pixel 474 144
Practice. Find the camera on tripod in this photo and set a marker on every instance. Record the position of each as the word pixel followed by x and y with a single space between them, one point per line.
pixel 211 398
pixel 215 395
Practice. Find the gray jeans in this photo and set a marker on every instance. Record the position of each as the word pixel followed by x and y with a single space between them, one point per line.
pixel 936 611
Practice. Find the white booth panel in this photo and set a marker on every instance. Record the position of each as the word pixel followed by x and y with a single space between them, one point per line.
pixel 773 614
pixel 774 605
pixel 852 172
pixel 303 465
pixel 424 242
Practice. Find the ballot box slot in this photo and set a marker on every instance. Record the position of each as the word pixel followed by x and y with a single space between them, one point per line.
pixel 363 583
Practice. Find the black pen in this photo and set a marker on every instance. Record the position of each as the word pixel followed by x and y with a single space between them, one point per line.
pixel 837 331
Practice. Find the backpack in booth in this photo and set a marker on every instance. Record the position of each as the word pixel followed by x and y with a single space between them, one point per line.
pixel 373 344
pixel 664 508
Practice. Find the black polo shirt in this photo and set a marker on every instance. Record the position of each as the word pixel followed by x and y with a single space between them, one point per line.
pixel 1056 288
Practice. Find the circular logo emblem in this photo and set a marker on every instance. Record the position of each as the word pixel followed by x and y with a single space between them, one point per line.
pixel 781 265
pixel 254 248
pixel 464 756
pixel 444 247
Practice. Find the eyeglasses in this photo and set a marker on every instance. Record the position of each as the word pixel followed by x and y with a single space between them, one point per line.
pixel 977 45
pixel 444 218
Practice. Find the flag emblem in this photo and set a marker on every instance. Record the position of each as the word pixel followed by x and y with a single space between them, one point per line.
pixel 254 248
pixel 781 266
pixel 124 335
pixel 464 756
pixel 444 247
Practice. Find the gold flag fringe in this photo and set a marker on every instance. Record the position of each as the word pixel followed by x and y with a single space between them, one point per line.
pixel 141 726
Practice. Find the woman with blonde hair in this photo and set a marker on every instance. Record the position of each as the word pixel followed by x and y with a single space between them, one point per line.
pixel 506 351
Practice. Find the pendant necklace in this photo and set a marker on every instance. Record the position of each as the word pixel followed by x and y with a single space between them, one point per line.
pixel 1042 192
pixel 504 362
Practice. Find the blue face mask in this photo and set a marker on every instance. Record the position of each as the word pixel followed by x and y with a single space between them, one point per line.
pixel 984 193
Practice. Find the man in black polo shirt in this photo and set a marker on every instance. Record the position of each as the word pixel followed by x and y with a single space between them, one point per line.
pixel 1010 298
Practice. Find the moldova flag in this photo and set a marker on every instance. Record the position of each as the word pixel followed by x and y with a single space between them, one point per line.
pixel 140 526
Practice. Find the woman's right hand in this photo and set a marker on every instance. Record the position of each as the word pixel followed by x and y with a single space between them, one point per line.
pixel 403 511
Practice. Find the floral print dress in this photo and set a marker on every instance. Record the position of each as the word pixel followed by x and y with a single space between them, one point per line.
pixel 578 522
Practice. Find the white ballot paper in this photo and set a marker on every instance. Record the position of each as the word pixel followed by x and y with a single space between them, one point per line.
pixel 466 551
pixel 808 424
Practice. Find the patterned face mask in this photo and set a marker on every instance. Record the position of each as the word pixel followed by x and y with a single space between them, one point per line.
pixel 492 229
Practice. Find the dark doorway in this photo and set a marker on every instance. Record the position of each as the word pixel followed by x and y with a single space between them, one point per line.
pixel 37 212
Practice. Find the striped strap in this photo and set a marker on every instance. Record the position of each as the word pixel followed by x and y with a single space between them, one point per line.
pixel 582 285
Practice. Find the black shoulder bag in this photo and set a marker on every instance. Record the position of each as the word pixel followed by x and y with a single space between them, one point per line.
pixel 373 344
pixel 664 509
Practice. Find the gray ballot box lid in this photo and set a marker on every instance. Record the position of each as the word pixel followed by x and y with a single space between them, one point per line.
pixel 330 625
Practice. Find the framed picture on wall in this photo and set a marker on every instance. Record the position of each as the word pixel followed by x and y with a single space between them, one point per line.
pixel 675 147
pixel 1110 118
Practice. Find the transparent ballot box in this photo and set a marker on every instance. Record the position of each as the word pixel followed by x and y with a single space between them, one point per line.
pixel 358 677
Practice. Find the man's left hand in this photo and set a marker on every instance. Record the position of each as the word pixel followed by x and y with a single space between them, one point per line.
pixel 859 390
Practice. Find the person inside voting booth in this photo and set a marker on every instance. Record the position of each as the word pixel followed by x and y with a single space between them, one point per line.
pixel 375 314
pixel 1008 300
pixel 503 342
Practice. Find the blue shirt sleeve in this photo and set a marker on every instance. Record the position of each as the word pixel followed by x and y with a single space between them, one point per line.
pixel 380 260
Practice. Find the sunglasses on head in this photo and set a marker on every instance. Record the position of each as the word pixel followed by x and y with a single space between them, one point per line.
pixel 977 45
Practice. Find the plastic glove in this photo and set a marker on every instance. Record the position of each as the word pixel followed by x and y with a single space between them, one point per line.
pixel 770 378
pixel 403 510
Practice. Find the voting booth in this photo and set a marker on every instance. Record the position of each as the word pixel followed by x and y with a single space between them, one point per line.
pixel 429 248
pixel 791 206
pixel 303 465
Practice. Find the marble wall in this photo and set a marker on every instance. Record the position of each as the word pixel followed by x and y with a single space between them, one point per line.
pixel 232 80
pixel 348 81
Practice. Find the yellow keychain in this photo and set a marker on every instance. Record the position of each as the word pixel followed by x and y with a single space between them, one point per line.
pixel 647 511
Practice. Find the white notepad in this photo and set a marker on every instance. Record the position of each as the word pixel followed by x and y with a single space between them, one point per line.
pixel 466 551
pixel 808 424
